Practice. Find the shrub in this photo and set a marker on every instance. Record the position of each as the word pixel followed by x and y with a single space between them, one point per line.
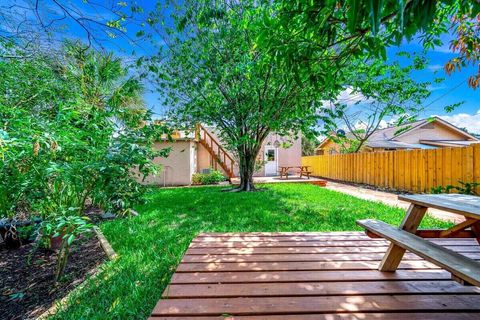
pixel 214 177
pixel 69 228
pixel 464 188
pixel 73 126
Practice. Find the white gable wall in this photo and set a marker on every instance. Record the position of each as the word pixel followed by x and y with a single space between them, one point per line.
pixel 430 131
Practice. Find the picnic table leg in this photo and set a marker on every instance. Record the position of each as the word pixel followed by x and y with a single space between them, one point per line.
pixel 410 223
pixel 476 230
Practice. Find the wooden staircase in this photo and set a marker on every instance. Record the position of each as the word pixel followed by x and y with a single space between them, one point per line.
pixel 220 157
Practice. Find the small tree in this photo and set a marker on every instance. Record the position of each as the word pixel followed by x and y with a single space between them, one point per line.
pixel 212 71
pixel 309 143
pixel 388 92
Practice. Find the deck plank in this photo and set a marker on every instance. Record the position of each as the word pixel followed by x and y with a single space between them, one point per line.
pixel 366 256
pixel 272 276
pixel 296 266
pixel 316 304
pixel 338 316
pixel 314 289
pixel 287 250
pixel 322 243
pixel 308 276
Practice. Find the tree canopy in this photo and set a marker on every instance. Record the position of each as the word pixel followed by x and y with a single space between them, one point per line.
pixel 212 71
pixel 301 30
pixel 385 92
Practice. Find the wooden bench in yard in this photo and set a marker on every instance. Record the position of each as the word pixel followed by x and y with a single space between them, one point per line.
pixel 304 171
pixel 284 172
pixel 407 237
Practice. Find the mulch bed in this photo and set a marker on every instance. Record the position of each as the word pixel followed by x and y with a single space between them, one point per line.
pixel 27 287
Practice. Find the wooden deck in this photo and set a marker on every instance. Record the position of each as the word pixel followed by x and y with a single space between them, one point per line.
pixel 311 276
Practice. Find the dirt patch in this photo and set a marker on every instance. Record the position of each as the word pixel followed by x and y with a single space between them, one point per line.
pixel 27 286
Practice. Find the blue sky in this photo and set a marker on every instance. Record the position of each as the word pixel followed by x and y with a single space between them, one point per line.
pixel 452 90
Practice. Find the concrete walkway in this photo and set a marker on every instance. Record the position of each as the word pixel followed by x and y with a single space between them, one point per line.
pixel 388 198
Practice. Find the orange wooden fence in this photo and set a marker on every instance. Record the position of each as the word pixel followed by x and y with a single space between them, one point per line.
pixel 406 170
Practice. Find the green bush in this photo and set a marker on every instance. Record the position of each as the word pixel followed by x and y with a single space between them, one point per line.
pixel 214 177
pixel 464 188
pixel 60 140
pixel 69 228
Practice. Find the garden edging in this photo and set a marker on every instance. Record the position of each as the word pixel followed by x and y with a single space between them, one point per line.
pixel 111 255
pixel 107 248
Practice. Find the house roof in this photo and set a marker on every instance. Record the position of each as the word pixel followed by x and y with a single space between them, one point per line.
pixel 393 132
pixel 385 138
pixel 389 144
pixel 446 143
pixel 417 124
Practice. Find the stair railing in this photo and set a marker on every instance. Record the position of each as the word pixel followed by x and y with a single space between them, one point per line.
pixel 219 154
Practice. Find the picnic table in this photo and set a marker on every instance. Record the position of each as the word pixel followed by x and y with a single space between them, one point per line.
pixel 304 171
pixel 408 237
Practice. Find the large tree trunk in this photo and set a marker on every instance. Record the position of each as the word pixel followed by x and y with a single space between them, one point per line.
pixel 247 168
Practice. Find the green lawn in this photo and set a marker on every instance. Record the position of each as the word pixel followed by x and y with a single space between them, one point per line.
pixel 151 245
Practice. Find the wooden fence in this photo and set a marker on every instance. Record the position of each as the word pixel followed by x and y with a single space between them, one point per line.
pixel 406 170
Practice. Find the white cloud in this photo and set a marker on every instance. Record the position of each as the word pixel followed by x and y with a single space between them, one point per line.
pixel 464 120
pixel 435 67
pixel 434 88
pixel 350 98
pixel 384 124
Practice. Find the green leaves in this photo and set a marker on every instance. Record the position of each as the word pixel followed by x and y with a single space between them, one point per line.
pixel 71 131
pixel 353 14
pixel 375 7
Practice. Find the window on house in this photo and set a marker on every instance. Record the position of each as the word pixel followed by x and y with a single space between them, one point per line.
pixel 270 155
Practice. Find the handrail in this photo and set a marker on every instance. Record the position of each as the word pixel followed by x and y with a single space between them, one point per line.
pixel 201 131
pixel 213 140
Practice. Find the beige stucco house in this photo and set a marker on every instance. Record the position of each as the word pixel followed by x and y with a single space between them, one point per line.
pixel 196 152
pixel 423 134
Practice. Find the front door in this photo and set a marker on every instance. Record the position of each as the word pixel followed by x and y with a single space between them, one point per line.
pixel 271 161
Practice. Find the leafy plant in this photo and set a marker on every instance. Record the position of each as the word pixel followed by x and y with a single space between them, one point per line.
pixel 378 83
pixel 213 177
pixel 259 164
pixel 28 233
pixel 442 189
pixel 69 228
pixel 469 188
pixel 73 130
pixel 216 72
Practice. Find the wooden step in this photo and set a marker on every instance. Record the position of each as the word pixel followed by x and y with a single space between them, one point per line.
pixel 217 158
pixel 458 265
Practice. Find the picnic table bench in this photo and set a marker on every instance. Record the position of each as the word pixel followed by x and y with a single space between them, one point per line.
pixel 407 237
pixel 304 171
